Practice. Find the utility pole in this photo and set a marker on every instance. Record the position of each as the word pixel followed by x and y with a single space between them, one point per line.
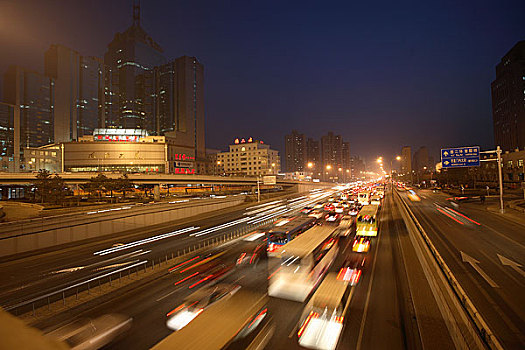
pixel 498 152
pixel 258 190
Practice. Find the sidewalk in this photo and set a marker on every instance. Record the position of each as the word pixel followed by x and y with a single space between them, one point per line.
pixel 510 214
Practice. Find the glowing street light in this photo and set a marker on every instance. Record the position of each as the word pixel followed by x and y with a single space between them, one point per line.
pixel 328 167
pixel 310 165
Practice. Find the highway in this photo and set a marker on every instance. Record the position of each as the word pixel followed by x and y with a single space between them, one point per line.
pixel 390 306
pixel 485 252
pixel 35 275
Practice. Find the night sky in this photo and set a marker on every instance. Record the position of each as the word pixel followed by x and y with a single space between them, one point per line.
pixel 384 74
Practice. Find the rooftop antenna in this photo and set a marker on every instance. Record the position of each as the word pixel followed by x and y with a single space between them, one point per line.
pixel 136 13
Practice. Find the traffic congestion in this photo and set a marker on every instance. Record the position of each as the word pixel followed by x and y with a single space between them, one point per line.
pixel 313 257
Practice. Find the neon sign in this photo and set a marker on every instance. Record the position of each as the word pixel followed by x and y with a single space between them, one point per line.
pixel 182 156
pixel 184 171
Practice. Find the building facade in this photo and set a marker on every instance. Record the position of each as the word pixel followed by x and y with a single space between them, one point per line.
pixel 131 56
pixel 249 158
pixel 9 137
pixel 313 157
pixel 331 156
pixel 79 92
pixel 406 161
pixel 420 160
pixel 34 93
pixel 508 100
pixel 113 150
pixel 295 152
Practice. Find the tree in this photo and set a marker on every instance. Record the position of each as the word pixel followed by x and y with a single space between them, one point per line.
pixel 96 185
pixel 124 184
pixel 58 190
pixel 50 188
pixel 42 184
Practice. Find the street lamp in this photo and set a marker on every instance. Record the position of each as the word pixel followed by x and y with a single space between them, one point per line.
pixel 328 167
pixel 398 158
pixel 310 165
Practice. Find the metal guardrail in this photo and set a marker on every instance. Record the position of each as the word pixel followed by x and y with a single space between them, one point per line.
pixel 481 326
pixel 137 267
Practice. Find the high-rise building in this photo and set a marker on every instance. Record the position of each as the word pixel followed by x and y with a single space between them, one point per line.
pixel 420 159
pixel 62 65
pixel 9 137
pixel 91 95
pixel 313 156
pixel 357 168
pixel 406 160
pixel 331 155
pixel 34 93
pixel 79 92
pixel 508 99
pixel 144 91
pixel 295 152
pixel 130 56
pixel 183 111
pixel 346 155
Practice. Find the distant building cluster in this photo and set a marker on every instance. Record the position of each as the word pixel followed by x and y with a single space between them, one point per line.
pixel 328 159
pixel 133 87
pixel 508 100
pixel 413 166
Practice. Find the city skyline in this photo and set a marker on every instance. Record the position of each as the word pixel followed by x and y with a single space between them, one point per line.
pixel 456 88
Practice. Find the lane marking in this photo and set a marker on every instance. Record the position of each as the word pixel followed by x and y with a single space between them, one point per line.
pixel 474 263
pixel 514 265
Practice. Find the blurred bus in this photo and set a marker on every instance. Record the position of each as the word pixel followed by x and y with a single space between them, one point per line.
pixel 367 221
pixel 286 229
pixel 238 322
pixel 303 263
pixel 323 316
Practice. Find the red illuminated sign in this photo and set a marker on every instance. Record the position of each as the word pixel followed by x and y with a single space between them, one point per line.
pixel 184 171
pixel 182 156
pixel 117 138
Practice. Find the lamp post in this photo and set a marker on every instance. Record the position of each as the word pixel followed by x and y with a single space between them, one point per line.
pixel 310 165
pixel 398 158
pixel 328 168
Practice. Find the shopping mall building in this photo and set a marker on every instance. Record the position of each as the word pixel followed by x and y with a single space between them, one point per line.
pixel 119 150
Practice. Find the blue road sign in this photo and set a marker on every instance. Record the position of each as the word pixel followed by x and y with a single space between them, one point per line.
pixel 460 157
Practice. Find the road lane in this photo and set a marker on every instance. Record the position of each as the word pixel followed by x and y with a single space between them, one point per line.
pixel 471 252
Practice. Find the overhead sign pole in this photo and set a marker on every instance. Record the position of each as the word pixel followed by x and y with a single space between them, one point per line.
pixel 469 156
pixel 500 176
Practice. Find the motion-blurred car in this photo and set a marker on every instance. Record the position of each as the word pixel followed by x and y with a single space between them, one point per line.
pixel 307 210
pixel 329 207
pixel 361 245
pixel 252 253
pixel 413 196
pixel 91 334
pixel 196 303
pixel 353 211
pixel 352 269
pixel 316 214
pixel 332 217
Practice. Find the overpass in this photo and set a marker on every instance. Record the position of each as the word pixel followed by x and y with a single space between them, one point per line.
pixel 157 179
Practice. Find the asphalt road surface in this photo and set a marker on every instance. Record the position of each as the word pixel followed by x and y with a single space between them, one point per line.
pixel 381 313
pixel 486 253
